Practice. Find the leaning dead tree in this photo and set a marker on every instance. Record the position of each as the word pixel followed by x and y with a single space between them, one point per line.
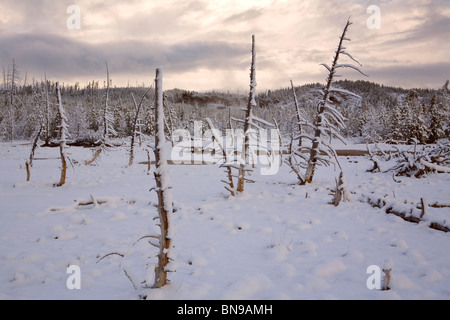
pixel 64 134
pixel 29 162
pixel 328 122
pixel 165 207
pixel 107 121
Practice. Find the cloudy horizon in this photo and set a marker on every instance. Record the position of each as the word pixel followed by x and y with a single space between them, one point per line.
pixel 205 45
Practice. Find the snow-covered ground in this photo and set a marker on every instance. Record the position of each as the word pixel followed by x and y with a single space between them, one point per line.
pixel 278 240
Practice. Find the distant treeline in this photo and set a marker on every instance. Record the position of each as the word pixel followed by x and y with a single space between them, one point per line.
pixel 383 114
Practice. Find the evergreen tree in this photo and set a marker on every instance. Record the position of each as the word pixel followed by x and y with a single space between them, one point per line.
pixel 419 129
pixel 439 115
pixel 413 125
pixel 397 133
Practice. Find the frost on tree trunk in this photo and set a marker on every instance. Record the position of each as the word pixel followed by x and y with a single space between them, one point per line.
pixel 107 120
pixel 329 120
pixel 14 78
pixel 63 139
pixel 29 163
pixel 137 108
pixel 297 111
pixel 47 113
pixel 250 105
pixel 229 184
pixel 251 123
pixel 165 207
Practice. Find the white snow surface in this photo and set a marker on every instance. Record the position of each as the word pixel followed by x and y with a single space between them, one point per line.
pixel 278 240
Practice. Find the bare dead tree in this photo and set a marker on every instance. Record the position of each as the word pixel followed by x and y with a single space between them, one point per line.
pixel 165 207
pixel 107 120
pixel 297 111
pixel 12 84
pixel 29 162
pixel 47 111
pixel 250 105
pixel 250 122
pixel 12 95
pixel 280 140
pixel 137 108
pixel 293 162
pixel 228 164
pixel 106 114
pixel 329 120
pixel 63 137
pixel 168 119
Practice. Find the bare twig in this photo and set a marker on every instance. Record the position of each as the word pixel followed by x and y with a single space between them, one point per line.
pixel 153 236
pixel 110 254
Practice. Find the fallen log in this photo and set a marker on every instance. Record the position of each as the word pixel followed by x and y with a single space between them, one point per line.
pixel 83 203
pixel 391 208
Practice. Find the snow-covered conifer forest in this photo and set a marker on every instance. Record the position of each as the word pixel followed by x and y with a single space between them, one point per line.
pixel 142 189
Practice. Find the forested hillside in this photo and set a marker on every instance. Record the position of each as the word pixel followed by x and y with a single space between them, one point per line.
pixel 383 114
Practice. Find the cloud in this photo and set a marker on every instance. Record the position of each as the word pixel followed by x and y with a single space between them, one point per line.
pixel 428 75
pixel 62 57
pixel 192 37
pixel 245 16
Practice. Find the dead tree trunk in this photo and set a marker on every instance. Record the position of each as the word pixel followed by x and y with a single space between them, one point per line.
pixel 165 207
pixel 12 95
pixel 251 103
pixel 29 163
pixel 328 119
pixel 137 107
pixel 47 113
pixel 340 192
pixel 35 142
pixel 168 120
pixel 229 185
pixel 107 117
pixel 63 138
pixel 297 110
pixel 321 109
pixel 107 122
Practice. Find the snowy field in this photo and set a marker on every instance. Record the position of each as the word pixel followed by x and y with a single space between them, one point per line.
pixel 278 240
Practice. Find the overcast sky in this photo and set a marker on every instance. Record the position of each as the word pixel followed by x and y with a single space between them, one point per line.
pixel 205 44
